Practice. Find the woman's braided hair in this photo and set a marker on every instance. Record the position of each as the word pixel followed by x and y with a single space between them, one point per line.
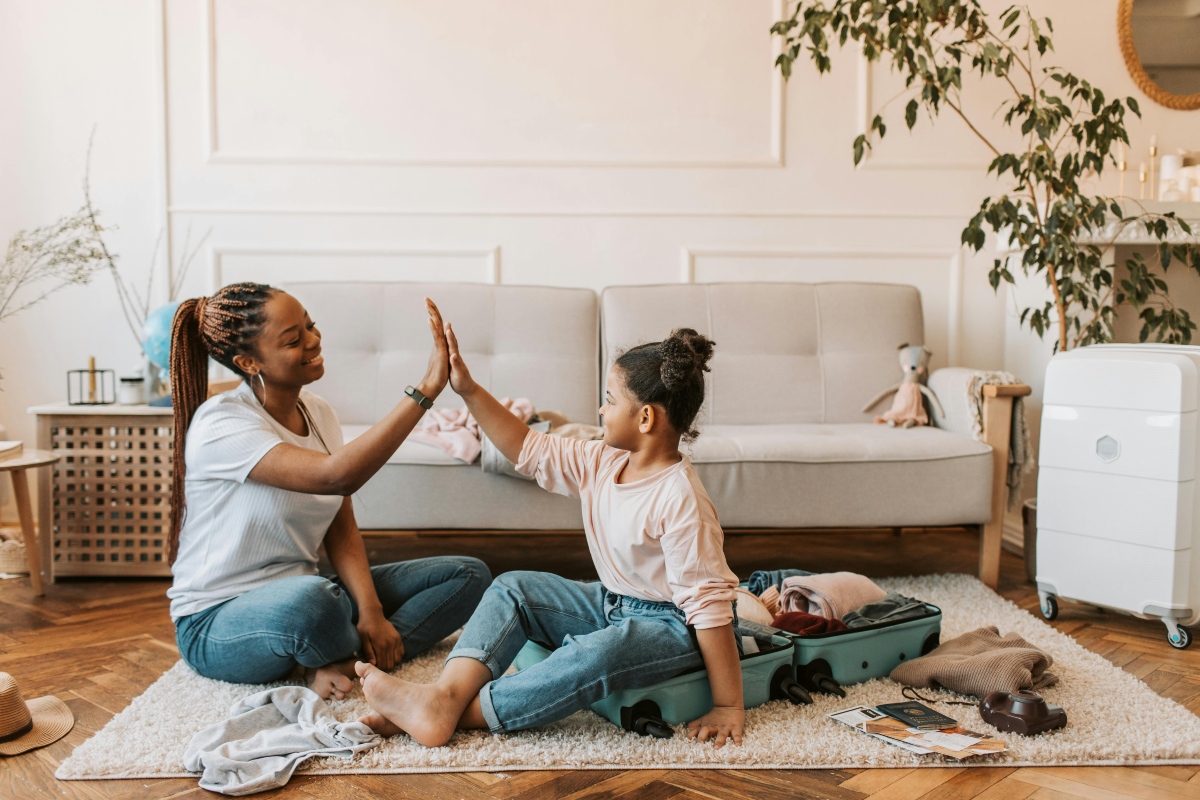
pixel 225 325
pixel 670 374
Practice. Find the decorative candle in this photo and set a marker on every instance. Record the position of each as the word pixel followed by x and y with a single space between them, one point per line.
pixel 1142 180
pixel 1122 165
pixel 1153 153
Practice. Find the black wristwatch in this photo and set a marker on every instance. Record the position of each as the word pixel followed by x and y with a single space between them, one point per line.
pixel 418 398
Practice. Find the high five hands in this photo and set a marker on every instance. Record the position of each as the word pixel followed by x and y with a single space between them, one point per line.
pixel 446 356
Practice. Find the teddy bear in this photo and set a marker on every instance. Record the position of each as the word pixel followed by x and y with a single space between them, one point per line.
pixel 908 407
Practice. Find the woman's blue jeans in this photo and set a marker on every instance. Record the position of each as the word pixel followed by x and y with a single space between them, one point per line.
pixel 261 635
pixel 603 642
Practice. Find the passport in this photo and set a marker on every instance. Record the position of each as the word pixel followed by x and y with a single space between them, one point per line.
pixel 918 716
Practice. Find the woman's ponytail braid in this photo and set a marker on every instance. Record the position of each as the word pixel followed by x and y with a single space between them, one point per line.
pixel 222 326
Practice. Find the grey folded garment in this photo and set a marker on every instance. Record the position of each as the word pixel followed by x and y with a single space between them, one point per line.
pixel 892 607
pixel 554 423
pixel 494 462
pixel 267 736
pixel 979 663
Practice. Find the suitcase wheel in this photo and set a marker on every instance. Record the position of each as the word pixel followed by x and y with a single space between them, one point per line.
pixel 784 686
pixel 817 677
pixel 828 685
pixel 1179 638
pixel 931 642
pixel 1050 607
pixel 645 719
pixel 654 727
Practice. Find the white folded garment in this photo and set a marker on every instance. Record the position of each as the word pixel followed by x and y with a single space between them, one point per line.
pixel 267 736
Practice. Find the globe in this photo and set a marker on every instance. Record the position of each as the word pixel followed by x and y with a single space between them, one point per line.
pixel 156 335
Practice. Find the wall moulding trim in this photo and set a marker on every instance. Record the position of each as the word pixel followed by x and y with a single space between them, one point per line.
pixel 215 155
pixel 435 212
pixel 952 258
pixel 491 256
pixel 865 112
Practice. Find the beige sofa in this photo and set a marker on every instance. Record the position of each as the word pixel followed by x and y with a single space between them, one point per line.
pixel 784 444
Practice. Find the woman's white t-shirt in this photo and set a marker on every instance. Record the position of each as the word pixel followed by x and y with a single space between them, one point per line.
pixel 238 534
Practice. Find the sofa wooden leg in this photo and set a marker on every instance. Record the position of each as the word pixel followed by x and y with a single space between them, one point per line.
pixel 997 428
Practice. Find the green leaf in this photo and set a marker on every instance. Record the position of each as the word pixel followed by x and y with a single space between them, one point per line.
pixel 910 113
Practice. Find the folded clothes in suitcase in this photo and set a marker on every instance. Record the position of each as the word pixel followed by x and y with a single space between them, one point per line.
pixel 767 674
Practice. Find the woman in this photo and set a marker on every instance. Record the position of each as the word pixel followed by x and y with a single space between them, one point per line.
pixel 262 479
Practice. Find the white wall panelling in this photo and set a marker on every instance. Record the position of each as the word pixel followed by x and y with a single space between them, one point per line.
pixel 494 83
pixel 936 273
pixel 286 265
pixel 591 140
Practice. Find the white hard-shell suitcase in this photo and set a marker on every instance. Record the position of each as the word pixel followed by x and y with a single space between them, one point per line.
pixel 1117 499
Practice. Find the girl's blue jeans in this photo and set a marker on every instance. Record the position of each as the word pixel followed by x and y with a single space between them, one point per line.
pixel 602 642
pixel 309 620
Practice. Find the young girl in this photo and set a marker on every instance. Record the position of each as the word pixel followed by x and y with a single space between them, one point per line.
pixel 664 603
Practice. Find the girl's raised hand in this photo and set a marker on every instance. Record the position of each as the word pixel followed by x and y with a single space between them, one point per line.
pixel 460 377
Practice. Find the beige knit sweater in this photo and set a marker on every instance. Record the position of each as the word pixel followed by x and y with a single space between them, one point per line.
pixel 978 663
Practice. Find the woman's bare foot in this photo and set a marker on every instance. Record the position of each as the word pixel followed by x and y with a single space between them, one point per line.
pixel 329 681
pixel 425 711
pixel 380 724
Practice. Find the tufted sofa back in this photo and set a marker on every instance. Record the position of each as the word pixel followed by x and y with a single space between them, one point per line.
pixel 519 341
pixel 786 352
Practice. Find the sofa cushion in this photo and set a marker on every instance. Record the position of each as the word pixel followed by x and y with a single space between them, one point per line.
pixel 786 352
pixel 421 496
pixel 759 476
pixel 818 476
pixel 519 341
pixel 823 444
pixel 408 452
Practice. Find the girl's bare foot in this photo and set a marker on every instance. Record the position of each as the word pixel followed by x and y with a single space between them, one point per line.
pixel 380 724
pixel 425 711
pixel 329 681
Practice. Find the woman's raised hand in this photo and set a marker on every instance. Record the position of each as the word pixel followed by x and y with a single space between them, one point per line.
pixel 439 360
pixel 460 377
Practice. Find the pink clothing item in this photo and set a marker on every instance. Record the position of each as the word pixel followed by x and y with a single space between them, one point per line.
pixel 456 431
pixel 656 539
pixel 908 406
pixel 831 594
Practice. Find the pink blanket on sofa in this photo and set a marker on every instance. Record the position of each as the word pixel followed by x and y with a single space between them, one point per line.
pixel 456 431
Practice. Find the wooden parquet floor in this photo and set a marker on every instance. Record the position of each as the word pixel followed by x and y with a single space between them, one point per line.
pixel 97 644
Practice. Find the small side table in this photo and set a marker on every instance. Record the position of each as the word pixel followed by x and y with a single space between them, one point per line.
pixel 15 467
pixel 106 506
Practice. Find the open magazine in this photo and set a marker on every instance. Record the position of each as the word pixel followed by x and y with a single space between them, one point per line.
pixel 957 743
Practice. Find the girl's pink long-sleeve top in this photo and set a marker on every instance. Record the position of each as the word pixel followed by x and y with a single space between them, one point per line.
pixel 656 539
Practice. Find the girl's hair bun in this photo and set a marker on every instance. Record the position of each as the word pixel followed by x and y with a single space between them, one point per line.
pixel 685 355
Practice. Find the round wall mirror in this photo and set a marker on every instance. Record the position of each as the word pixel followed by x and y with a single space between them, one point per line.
pixel 1160 40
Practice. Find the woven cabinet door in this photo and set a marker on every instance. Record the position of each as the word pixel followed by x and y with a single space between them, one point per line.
pixel 112 495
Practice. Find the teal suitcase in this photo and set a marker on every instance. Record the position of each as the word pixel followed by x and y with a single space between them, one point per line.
pixel 825 662
pixel 766 675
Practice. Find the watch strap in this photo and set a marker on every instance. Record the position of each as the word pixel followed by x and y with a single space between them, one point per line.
pixel 418 398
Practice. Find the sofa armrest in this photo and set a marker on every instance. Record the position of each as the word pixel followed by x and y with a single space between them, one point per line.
pixel 993 426
pixel 951 385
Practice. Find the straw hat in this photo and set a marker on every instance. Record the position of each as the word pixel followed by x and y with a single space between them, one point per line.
pixel 24 726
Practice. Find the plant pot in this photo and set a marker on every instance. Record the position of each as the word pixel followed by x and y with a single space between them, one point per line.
pixel 1029 518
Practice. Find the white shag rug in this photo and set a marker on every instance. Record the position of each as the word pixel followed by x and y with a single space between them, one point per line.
pixel 1113 718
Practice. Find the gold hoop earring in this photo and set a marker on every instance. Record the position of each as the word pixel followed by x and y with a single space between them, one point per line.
pixel 262 381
